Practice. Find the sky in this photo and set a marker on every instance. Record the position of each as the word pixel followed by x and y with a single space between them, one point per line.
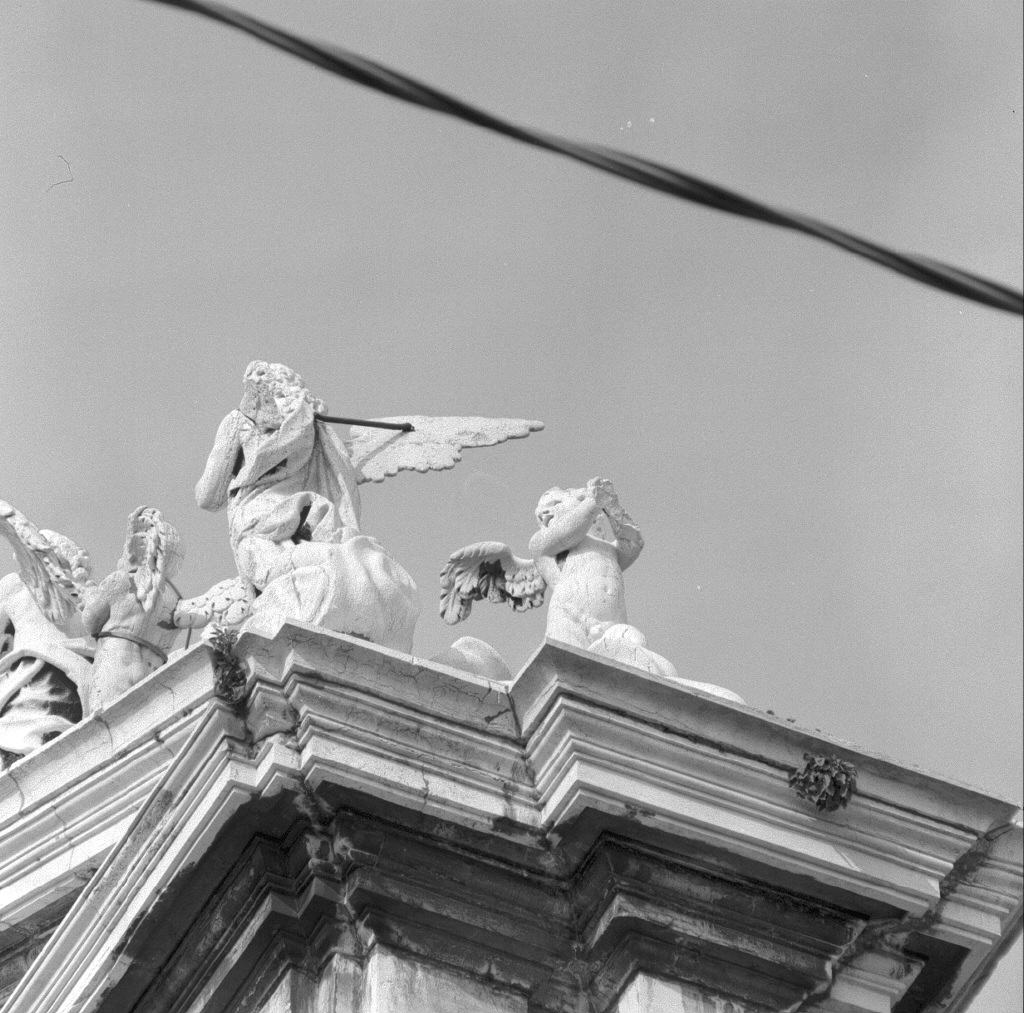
pixel 824 458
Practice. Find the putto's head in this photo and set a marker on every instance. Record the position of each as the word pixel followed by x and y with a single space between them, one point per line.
pixel 555 502
pixel 273 392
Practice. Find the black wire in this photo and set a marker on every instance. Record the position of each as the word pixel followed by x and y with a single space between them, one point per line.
pixel 405 427
pixel 650 174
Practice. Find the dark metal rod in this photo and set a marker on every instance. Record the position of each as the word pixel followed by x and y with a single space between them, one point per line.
pixel 405 427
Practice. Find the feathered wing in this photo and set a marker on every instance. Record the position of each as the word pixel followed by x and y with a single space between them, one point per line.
pixel 226 604
pixel 434 445
pixel 488 570
pixel 45 569
pixel 148 558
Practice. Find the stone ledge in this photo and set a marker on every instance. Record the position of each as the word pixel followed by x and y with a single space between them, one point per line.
pixel 519 805
pixel 64 807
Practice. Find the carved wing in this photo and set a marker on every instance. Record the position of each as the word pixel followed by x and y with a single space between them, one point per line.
pixel 434 445
pixel 488 570
pixel 45 568
pixel 149 558
pixel 226 603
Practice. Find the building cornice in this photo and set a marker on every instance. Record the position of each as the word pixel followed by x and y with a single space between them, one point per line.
pixel 582 778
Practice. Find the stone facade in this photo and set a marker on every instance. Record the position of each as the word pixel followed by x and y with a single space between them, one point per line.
pixel 366 832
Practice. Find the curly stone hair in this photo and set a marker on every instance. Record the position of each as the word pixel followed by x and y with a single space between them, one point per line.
pixel 284 384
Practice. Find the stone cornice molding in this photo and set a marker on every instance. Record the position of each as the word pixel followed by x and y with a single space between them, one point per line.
pixel 211 777
pixel 542 775
pixel 65 806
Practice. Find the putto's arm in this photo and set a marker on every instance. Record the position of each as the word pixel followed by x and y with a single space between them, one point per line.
pixel 567 530
pixel 96 607
pixel 212 488
pixel 628 541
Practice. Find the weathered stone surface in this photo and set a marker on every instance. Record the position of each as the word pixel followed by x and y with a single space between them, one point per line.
pixel 65 807
pixel 367 828
pixel 394 984
pixel 470 654
pixel 647 994
pixel 20 944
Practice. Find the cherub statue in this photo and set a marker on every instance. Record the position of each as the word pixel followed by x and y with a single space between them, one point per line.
pixel 43 660
pixel 290 486
pixel 130 612
pixel 585 542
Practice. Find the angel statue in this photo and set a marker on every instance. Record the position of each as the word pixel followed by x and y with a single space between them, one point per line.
pixel 43 660
pixel 585 542
pixel 130 612
pixel 290 485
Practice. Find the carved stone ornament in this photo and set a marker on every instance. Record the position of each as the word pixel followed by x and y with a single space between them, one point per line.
pixel 230 672
pixel 826 781
pixel 585 542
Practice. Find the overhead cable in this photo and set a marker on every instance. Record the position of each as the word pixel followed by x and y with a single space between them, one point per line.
pixel 618 163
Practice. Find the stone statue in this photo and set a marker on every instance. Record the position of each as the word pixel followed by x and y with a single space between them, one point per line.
pixel 43 660
pixel 585 542
pixel 290 485
pixel 130 612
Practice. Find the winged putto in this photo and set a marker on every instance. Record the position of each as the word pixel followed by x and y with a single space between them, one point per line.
pixel 584 543
pixel 290 486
